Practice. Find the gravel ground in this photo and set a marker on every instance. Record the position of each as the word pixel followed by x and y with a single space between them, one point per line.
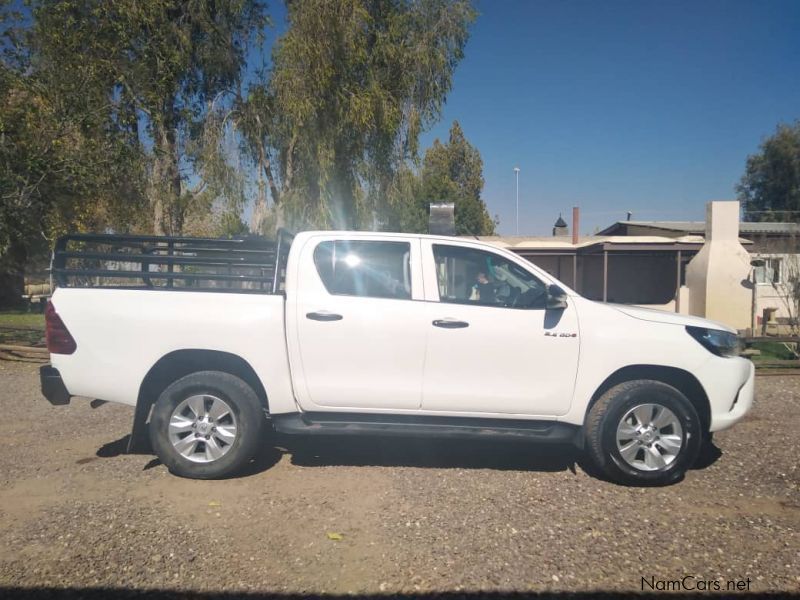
pixel 371 516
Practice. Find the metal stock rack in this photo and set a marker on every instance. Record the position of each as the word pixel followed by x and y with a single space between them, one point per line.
pixel 241 265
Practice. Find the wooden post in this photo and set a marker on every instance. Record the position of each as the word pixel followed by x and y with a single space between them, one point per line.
pixel 678 283
pixel 575 271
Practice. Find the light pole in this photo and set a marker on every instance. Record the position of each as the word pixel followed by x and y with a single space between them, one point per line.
pixel 516 173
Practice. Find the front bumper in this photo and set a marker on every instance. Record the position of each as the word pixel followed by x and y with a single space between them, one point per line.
pixel 53 387
pixel 739 405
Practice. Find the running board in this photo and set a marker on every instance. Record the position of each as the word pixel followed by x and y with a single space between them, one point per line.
pixel 320 423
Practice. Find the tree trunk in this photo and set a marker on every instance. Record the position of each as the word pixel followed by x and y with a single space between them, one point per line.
pixel 165 184
pixel 12 276
pixel 260 209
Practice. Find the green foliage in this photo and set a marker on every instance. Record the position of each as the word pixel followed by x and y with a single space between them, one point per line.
pixel 451 172
pixel 159 64
pixel 770 187
pixel 353 84
pixel 60 168
pixel 133 115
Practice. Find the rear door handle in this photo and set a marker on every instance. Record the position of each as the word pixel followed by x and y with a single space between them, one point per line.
pixel 323 315
pixel 450 324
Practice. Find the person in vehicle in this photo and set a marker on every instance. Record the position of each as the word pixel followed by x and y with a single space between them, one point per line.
pixel 484 289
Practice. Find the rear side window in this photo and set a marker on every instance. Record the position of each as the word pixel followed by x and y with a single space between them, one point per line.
pixel 365 268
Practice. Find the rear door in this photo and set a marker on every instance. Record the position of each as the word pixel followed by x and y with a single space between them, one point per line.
pixel 359 329
pixel 493 347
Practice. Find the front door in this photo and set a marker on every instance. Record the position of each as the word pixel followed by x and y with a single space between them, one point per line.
pixel 360 325
pixel 493 347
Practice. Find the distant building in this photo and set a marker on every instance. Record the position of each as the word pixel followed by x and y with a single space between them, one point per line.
pixel 744 279
pixel 763 236
pixel 560 229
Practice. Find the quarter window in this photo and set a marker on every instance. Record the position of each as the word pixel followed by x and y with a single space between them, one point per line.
pixel 365 268
pixel 469 276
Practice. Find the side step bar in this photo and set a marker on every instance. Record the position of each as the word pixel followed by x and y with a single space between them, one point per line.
pixel 321 423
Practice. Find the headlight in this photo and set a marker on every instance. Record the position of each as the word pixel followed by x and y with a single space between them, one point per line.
pixel 716 341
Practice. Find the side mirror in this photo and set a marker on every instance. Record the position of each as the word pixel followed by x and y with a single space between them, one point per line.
pixel 556 298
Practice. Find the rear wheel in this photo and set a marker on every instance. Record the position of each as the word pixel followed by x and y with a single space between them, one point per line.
pixel 206 425
pixel 643 432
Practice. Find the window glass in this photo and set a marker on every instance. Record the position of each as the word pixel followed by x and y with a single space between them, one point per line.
pixel 769 272
pixel 468 276
pixel 361 268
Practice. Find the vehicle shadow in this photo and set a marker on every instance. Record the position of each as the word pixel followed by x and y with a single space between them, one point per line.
pixel 268 456
pixel 120 447
pixel 429 453
pixel 709 454
pixel 411 452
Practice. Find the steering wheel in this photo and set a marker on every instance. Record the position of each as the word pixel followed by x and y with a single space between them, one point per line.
pixel 514 296
pixel 531 297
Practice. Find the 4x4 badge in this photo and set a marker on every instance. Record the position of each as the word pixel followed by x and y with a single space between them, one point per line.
pixel 553 334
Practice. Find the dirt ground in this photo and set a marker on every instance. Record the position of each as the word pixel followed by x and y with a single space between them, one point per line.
pixel 386 516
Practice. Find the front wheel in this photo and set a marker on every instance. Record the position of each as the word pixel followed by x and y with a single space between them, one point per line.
pixel 206 425
pixel 643 432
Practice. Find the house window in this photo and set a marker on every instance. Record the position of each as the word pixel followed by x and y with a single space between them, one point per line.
pixel 769 272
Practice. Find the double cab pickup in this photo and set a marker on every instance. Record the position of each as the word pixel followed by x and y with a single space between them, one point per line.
pixel 219 343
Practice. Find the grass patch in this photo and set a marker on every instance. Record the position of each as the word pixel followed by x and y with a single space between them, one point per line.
pixel 772 351
pixel 21 318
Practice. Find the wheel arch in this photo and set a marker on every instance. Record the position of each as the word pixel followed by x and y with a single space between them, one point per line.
pixel 680 379
pixel 177 364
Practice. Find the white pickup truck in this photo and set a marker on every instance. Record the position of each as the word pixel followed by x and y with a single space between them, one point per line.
pixel 218 342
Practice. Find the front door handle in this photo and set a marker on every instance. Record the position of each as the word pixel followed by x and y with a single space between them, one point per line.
pixel 323 315
pixel 450 324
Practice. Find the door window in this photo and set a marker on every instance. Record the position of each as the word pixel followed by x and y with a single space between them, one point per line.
pixel 469 276
pixel 374 269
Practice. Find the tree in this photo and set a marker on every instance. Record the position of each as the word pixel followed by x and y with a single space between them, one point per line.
pixel 770 187
pixel 453 172
pixel 135 115
pixel 162 64
pixel 60 167
pixel 352 86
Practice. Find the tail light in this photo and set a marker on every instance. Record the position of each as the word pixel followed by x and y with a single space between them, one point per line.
pixel 59 339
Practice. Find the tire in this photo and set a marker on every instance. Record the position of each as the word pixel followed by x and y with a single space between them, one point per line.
pixel 644 433
pixel 215 446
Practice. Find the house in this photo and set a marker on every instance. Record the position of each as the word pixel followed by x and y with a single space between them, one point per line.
pixel 744 278
pixel 775 259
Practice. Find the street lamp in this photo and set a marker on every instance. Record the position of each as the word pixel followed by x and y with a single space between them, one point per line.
pixel 516 173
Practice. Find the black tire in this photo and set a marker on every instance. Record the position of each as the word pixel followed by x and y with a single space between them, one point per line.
pixel 606 414
pixel 245 406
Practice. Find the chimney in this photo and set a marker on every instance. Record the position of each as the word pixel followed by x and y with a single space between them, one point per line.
pixel 442 219
pixel 722 221
pixel 717 275
pixel 630 214
pixel 576 222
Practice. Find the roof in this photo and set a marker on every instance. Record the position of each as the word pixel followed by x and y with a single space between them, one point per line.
pixel 561 222
pixel 699 227
pixel 523 243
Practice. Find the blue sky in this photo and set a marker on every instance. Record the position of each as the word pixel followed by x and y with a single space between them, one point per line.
pixel 641 105
pixel 617 105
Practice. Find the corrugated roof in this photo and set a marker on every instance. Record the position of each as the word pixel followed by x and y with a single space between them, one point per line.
pixel 556 242
pixel 700 226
